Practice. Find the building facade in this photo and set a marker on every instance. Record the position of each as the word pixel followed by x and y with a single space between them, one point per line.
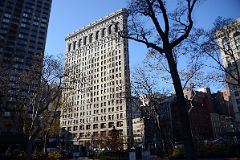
pixel 97 58
pixel 152 129
pixel 210 114
pixel 229 43
pixel 23 31
pixel 138 130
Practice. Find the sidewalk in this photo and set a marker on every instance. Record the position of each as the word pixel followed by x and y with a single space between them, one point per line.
pixel 82 158
pixel 157 158
pixel 215 159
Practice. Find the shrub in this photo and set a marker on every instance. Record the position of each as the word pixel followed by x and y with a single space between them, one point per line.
pixel 39 156
pixel 54 156
pixel 113 155
pixel 177 153
pixel 218 150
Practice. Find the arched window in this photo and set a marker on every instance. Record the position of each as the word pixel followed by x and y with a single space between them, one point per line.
pixel 110 29
pixel 237 40
pixel 85 40
pixel 97 34
pixel 69 47
pixel 116 28
pixel 79 42
pixel 90 38
pixel 74 45
pixel 103 32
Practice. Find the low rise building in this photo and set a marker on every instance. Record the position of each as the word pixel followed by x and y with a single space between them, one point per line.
pixel 138 131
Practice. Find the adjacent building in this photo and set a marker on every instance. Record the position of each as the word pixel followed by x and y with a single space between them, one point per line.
pixel 153 126
pixel 210 114
pixel 229 42
pixel 98 61
pixel 138 131
pixel 23 31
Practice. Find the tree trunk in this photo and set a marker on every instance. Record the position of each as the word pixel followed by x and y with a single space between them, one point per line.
pixel 181 108
pixel 29 149
pixel 45 143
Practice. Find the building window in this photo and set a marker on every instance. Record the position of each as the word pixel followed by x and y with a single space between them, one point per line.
pixel 81 127
pixel 103 125
pixel 237 40
pixel 103 32
pixel 85 40
pixel 88 127
pixel 116 27
pixel 69 47
pixel 90 38
pixel 81 134
pixel 110 124
pixel 95 126
pixel 110 29
pixel 74 45
pixel 97 34
pixel 226 45
pixel 75 128
pixel 79 42
pixel 119 124
pixel 7 114
pixel 95 134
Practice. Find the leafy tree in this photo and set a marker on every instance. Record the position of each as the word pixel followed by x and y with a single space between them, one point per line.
pixel 112 142
pixel 153 25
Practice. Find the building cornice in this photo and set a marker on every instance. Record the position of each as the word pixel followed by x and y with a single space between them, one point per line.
pixel 95 23
pixel 232 27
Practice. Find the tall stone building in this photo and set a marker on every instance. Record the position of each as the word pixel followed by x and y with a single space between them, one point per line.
pixel 229 42
pixel 97 62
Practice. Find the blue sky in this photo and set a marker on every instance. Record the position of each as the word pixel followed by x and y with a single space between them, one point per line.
pixel 70 15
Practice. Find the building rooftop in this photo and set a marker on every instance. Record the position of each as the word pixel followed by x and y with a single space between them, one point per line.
pixel 123 10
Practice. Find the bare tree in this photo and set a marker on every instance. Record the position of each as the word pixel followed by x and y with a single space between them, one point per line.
pixel 51 121
pixel 146 27
pixel 220 44
pixel 191 72
pixel 43 88
pixel 148 100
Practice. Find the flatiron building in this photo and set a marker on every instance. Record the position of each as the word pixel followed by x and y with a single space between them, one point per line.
pixel 97 69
